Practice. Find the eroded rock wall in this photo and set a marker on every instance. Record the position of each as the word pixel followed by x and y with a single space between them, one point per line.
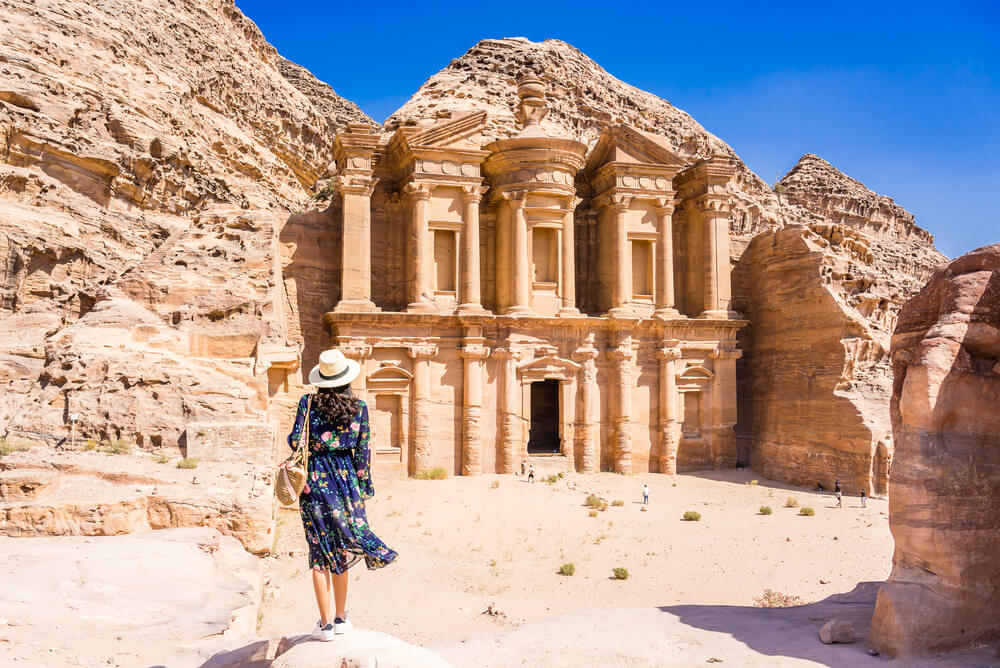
pixel 944 589
pixel 822 298
pixel 151 154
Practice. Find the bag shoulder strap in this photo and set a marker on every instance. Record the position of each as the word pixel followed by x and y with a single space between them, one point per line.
pixel 304 438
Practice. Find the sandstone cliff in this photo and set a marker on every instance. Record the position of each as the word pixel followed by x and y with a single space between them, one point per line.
pixel 944 589
pixel 150 155
pixel 133 136
pixel 822 300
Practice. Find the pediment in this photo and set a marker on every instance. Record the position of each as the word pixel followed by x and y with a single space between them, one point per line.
pixel 627 145
pixel 389 378
pixel 455 132
pixel 696 373
pixel 550 366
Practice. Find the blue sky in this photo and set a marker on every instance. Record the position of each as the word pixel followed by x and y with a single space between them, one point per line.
pixel 904 97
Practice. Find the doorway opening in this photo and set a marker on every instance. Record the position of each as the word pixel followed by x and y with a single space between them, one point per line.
pixel 543 435
pixel 880 470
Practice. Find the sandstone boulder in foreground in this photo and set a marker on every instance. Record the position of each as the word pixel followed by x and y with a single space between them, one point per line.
pixel 359 649
pixel 944 512
pixel 144 599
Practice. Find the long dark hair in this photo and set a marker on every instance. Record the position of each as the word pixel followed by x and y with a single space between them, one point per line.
pixel 337 404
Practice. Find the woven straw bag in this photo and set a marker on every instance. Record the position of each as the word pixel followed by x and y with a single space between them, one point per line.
pixel 291 479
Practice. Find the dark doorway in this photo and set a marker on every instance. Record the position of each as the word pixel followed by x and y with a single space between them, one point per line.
pixel 543 436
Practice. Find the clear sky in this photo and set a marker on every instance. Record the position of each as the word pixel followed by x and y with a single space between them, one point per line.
pixel 904 97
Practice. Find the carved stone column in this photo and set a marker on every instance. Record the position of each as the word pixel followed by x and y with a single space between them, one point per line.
pixel 665 299
pixel 587 430
pixel 522 278
pixel 470 300
pixel 359 351
pixel 418 262
pixel 724 452
pixel 356 244
pixel 421 399
pixel 622 356
pixel 568 278
pixel 669 419
pixel 510 426
pixel 621 282
pixel 473 353
pixel 714 213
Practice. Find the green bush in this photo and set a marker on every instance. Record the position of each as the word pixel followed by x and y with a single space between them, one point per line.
pixel 562 474
pixel 188 463
pixel 163 459
pixel 567 569
pixel 620 573
pixel 91 445
pixel 765 510
pixel 692 516
pixel 552 479
pixel 436 473
pixel 807 511
pixel 617 502
pixel 791 502
pixel 117 447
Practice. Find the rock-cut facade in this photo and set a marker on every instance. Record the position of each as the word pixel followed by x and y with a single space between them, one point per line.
pixel 525 299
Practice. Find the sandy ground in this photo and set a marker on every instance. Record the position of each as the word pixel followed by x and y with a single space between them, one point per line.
pixel 467 544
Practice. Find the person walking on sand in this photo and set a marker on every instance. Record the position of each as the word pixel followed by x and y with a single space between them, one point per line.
pixel 838 490
pixel 338 482
pixel 645 494
pixel 531 473
pixel 524 465
pixel 864 499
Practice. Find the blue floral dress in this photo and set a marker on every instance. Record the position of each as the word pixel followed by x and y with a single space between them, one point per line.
pixel 332 502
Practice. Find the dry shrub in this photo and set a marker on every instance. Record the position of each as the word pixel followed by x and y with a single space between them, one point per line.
pixel 567 569
pixel 807 511
pixel 436 473
pixel 775 599
pixel 188 463
pixel 620 573
pixel 791 502
pixel 765 510
pixel 692 516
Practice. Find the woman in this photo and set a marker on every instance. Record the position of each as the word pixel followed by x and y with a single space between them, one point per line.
pixel 338 482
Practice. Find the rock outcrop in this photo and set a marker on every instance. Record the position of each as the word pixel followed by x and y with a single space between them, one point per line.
pixel 158 598
pixel 151 154
pixel 822 298
pixel 944 589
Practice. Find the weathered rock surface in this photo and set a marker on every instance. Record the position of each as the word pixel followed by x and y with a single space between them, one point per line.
pixel 944 590
pixel 133 135
pixel 837 631
pixel 94 494
pixel 147 599
pixel 822 299
pixel 359 649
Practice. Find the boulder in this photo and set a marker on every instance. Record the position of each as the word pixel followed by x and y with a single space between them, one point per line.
pixel 27 484
pixel 360 648
pixel 837 631
pixel 944 494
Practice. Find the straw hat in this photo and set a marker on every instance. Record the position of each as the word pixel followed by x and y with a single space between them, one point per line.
pixel 334 370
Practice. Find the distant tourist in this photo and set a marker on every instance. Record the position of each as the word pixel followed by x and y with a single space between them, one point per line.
pixel 337 483
pixel 819 486
pixel 524 466
pixel 645 494
pixel 864 499
pixel 838 490
pixel 531 473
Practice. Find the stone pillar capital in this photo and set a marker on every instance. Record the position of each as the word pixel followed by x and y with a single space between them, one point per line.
pixel 356 350
pixel 474 352
pixel 473 194
pixel 615 201
pixel 725 354
pixel 669 354
pixel 504 354
pixel 515 197
pixel 353 184
pixel 418 191
pixel 423 351
pixel 585 354
pixel 665 206
pixel 713 205
pixel 621 353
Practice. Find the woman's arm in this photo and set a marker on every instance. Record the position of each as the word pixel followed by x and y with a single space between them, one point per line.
pixel 300 421
pixel 363 455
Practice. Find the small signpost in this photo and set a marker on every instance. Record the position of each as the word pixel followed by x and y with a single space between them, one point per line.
pixel 73 417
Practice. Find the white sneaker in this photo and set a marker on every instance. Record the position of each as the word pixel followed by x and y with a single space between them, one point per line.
pixel 341 626
pixel 323 633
